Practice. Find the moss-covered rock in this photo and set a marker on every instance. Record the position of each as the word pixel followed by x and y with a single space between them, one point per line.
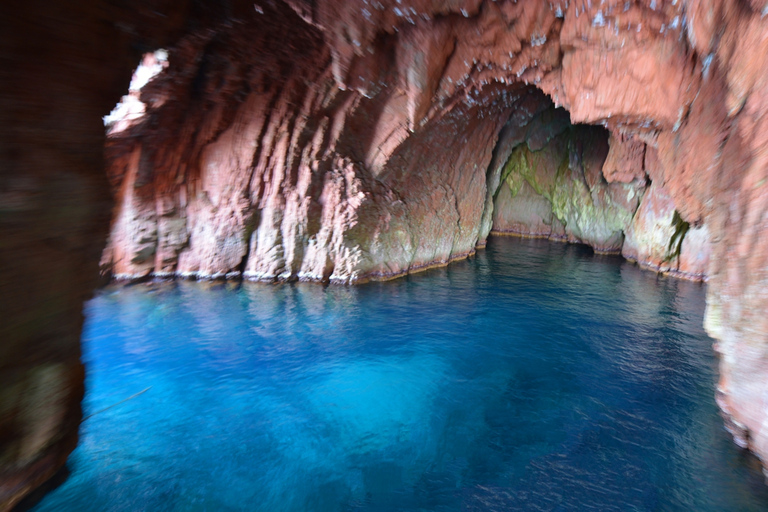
pixel 565 174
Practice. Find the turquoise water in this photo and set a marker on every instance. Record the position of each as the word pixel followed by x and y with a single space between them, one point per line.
pixel 534 376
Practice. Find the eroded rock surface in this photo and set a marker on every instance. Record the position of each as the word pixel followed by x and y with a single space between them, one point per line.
pixel 327 170
pixel 292 176
pixel 660 239
pixel 344 140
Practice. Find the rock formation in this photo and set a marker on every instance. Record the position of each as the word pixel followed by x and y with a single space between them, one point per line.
pixel 326 169
pixel 347 140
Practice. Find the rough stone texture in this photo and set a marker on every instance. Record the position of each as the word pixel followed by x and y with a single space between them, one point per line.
pixel 660 240
pixel 293 177
pixel 549 190
pixel 316 174
pixel 553 187
pixel 341 140
pixel 625 160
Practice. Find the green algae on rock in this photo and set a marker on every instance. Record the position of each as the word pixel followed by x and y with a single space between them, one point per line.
pixel 558 192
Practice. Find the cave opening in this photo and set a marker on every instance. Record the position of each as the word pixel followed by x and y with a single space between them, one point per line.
pixel 547 181
pixel 546 178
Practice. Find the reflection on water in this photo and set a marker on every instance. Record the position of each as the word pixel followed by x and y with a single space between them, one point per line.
pixel 534 376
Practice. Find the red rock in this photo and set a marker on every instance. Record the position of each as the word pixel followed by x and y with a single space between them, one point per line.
pixel 625 160
pixel 695 252
pixel 660 240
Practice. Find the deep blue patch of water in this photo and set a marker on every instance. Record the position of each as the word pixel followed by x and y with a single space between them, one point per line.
pixel 534 376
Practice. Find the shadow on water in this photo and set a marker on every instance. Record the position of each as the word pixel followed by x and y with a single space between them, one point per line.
pixel 533 376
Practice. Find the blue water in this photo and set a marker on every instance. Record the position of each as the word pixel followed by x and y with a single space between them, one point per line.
pixel 534 376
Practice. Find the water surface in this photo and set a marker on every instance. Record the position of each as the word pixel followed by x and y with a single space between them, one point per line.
pixel 534 376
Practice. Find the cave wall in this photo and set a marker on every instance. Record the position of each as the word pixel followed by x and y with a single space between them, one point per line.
pixel 331 140
pixel 261 163
pixel 312 157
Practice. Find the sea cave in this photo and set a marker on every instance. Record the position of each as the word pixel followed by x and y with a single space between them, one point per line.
pixel 384 255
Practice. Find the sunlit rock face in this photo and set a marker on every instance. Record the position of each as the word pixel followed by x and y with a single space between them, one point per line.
pixel 345 140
